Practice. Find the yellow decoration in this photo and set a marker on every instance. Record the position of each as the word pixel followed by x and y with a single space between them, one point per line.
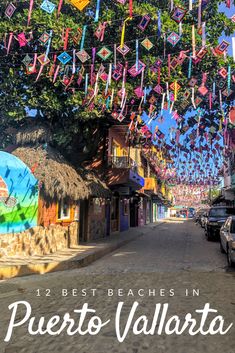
pixel 79 4
pixel 123 31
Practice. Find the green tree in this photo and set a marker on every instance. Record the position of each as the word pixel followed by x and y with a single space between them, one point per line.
pixel 73 119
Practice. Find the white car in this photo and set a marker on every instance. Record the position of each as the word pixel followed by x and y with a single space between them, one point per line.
pixel 227 240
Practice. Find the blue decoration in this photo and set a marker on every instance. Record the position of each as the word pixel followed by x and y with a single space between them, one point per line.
pixel 64 58
pixel 48 6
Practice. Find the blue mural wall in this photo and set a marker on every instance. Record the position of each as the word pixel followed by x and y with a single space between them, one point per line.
pixel 18 195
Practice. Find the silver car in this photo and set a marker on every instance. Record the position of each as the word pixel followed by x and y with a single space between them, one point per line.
pixel 227 240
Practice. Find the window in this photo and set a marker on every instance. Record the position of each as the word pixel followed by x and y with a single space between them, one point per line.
pixel 221 212
pixel 233 226
pixel 63 210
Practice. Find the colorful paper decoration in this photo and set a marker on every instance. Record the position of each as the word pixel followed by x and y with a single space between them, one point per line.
pixel 82 55
pixel 64 58
pixel 203 90
pixel 48 6
pixel 123 50
pixel 173 38
pixel 43 59
pixel 27 60
pixel 144 22
pixel 201 53
pixel 178 14
pixel 43 39
pixel 223 72
pixel 121 1
pixel 139 92
pixel 99 33
pixel 104 53
pixel 198 101
pixel 222 47
pixel 31 2
pixel 22 39
pixel 80 4
pixel 192 82
pixel 155 66
pixel 147 44
pixel 97 12
pixel 134 71
pixel 233 18
pixel 10 10
pixel 158 89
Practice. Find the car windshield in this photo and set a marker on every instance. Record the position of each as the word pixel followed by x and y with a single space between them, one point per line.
pixel 221 212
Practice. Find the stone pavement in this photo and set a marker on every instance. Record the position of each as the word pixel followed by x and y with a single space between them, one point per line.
pixel 67 259
pixel 173 256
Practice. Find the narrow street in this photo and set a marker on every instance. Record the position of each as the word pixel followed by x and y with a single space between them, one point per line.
pixel 175 245
pixel 175 255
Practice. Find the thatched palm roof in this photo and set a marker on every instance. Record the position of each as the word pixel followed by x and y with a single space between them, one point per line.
pixel 32 134
pixel 57 177
pixel 97 188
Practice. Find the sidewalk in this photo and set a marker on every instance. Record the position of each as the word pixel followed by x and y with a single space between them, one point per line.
pixel 67 259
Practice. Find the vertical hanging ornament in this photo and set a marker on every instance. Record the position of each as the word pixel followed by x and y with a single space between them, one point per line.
pixel 175 91
pixel 159 24
pixel 203 34
pixel 92 65
pixel 9 42
pixel 123 31
pixel 56 73
pixel 190 66
pixel 193 98
pixel 83 37
pixel 180 29
pixel 39 72
pixel 169 65
pixel 233 48
pixel 190 6
pixel 115 55
pixel 213 91
pixel 131 8
pixel 97 12
pixel 229 79
pixel 30 11
pixel 86 83
pixel 74 62
pixel 108 83
pixel 66 38
pixel 59 7
pixel 193 42
pixel 137 54
pixel 172 5
pixel 48 46
pixel 199 14
pixel 210 100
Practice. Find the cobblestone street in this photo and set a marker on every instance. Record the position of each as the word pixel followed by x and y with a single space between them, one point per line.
pixel 173 256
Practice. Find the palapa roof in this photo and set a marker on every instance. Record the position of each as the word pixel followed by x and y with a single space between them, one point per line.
pixel 97 188
pixel 32 134
pixel 58 178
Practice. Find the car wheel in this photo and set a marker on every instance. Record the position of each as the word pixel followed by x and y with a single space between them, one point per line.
pixel 230 262
pixel 221 248
pixel 208 235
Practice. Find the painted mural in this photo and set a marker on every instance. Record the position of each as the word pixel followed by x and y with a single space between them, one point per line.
pixel 18 195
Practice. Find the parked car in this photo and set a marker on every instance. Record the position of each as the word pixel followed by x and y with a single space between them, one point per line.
pixel 227 240
pixel 216 217
pixel 199 214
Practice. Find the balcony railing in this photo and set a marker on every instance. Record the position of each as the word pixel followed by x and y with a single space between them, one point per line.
pixel 123 162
